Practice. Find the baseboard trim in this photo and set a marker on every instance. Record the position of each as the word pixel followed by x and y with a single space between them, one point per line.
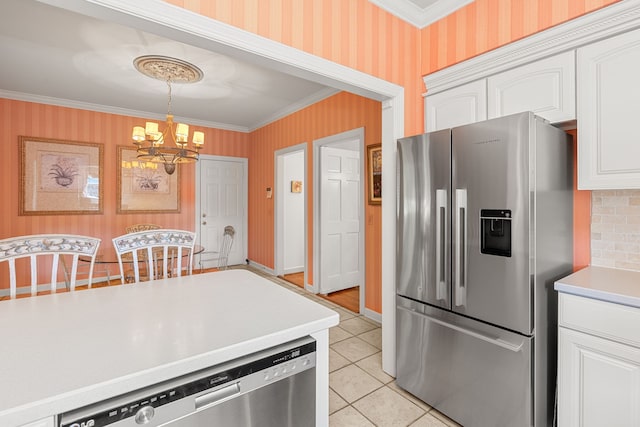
pixel 259 266
pixel 373 315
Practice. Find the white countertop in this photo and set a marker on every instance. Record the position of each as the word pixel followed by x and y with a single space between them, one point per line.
pixel 67 350
pixel 605 284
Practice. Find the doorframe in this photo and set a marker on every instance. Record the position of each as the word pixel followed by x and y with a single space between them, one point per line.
pixel 279 211
pixel 357 133
pixel 245 199
pixel 185 26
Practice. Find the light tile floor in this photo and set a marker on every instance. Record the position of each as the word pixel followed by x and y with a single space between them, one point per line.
pixel 361 394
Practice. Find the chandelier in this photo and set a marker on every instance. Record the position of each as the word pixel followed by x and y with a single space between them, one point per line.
pixel 169 146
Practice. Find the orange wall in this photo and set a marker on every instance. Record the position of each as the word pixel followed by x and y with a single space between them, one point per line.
pixel 46 121
pixel 487 24
pixel 339 113
pixel 355 33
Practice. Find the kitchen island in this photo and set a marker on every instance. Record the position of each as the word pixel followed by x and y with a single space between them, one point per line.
pixel 64 351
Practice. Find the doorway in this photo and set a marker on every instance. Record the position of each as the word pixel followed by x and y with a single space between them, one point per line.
pixel 339 262
pixel 185 26
pixel 221 200
pixel 291 214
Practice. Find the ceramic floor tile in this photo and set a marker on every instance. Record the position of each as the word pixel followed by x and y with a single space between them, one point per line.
pixel 348 417
pixel 338 334
pixel 336 361
pixel 428 420
pixel 335 402
pixel 354 349
pixel 373 366
pixel 446 420
pixel 344 313
pixel 352 383
pixel 357 325
pixel 373 337
pixel 385 407
pixel 392 385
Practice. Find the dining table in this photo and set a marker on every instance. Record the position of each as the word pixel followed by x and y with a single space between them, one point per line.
pixel 107 257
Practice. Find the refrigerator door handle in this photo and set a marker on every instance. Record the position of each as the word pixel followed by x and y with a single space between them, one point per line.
pixel 441 244
pixel 491 340
pixel 461 247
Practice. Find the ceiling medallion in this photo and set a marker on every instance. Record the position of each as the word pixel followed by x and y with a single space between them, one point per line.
pixel 168 69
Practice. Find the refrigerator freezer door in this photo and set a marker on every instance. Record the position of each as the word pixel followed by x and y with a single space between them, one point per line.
pixel 491 168
pixel 423 236
pixel 477 374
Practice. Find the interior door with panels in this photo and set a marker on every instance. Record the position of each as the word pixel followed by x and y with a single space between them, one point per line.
pixel 223 194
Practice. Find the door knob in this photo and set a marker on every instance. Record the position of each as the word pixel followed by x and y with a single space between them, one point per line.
pixel 204 222
pixel 204 215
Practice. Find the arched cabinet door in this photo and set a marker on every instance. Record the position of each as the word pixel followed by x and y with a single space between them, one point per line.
pixel 546 87
pixel 608 111
pixel 455 107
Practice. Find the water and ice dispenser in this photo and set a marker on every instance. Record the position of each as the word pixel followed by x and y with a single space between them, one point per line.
pixel 495 232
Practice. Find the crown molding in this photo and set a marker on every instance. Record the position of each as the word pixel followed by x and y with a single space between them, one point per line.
pixel 297 106
pixel 417 16
pixel 60 102
pixel 606 22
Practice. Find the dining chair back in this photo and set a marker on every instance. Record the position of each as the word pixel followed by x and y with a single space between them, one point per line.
pixel 57 249
pixel 141 227
pixel 162 252
pixel 222 254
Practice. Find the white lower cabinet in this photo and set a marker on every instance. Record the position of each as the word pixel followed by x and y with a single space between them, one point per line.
pixel 598 368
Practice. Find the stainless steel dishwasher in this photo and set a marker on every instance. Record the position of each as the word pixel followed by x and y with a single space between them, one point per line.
pixel 270 388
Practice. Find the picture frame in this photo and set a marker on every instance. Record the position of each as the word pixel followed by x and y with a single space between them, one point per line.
pixel 144 187
pixel 374 173
pixel 296 186
pixel 60 177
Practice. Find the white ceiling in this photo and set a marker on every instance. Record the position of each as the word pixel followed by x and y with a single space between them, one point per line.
pixel 55 56
pixel 421 13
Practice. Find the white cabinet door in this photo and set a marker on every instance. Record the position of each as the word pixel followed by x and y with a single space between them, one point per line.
pixel 608 110
pixel 458 106
pixel 598 381
pixel 546 87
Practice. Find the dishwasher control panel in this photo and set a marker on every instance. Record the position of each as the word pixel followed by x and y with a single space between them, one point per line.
pixel 141 405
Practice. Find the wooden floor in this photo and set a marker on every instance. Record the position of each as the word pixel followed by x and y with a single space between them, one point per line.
pixel 347 298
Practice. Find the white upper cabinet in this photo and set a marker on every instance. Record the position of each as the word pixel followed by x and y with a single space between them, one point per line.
pixel 458 106
pixel 546 87
pixel 608 96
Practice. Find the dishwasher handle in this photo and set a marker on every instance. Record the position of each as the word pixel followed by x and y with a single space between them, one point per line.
pixel 214 397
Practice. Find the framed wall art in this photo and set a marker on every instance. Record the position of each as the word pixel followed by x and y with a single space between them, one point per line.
pixel 296 186
pixel 59 177
pixel 374 173
pixel 144 187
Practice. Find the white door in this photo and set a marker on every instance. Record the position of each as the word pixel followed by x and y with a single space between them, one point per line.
pixel 222 201
pixel 340 206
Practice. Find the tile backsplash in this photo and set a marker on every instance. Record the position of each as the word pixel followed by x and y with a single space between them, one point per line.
pixel 615 229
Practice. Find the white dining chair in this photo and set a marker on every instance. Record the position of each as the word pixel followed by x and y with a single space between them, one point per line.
pixel 37 251
pixel 222 254
pixel 161 250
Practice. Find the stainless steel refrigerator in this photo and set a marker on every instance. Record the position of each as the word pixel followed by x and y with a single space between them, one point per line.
pixel 484 219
